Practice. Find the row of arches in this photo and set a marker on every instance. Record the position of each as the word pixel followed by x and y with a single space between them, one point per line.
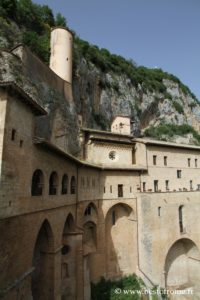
pixel 43 264
pixel 68 185
pixel 44 247
pixel 181 264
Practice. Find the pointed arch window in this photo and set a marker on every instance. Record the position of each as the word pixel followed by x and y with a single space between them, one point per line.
pixel 53 183
pixel 73 185
pixel 64 190
pixel 37 183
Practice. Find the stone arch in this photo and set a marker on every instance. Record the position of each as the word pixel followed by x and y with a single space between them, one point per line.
pixel 37 184
pixel 121 241
pixel 90 213
pixel 68 259
pixel 42 276
pixel 182 265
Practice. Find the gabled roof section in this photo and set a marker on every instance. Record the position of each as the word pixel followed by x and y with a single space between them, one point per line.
pixel 26 98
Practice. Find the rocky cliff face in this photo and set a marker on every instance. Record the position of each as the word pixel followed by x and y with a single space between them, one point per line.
pixel 60 125
pixel 101 96
pixel 98 96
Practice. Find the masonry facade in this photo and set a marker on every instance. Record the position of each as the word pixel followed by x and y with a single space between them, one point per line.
pixel 126 205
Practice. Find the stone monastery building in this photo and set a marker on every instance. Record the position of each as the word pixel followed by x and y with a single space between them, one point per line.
pixel 125 205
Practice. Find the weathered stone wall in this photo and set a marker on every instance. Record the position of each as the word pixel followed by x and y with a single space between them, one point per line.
pixel 177 159
pixel 159 229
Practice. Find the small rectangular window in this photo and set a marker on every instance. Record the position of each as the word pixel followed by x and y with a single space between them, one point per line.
pixel 13 135
pixel 167 185
pixel 189 160
pixel 154 160
pixel 155 185
pixel 196 162
pixel 191 185
pixel 111 189
pixel 133 156
pixel 104 189
pixel 159 211
pixel 179 174
pixel 120 190
pixel 144 186
pixel 165 160
pixel 130 189
pixel 21 143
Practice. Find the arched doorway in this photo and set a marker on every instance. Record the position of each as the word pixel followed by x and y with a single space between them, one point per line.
pixel 68 260
pixel 182 265
pixel 121 240
pixel 42 277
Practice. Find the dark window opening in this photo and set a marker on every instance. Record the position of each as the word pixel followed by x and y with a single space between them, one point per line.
pixel 120 190
pixel 196 163
pixel 133 156
pixel 144 186
pixel 113 217
pixel 181 218
pixel 130 189
pixel 37 183
pixel 13 134
pixel 165 160
pixel 73 185
pixel 179 174
pixel 111 189
pixel 65 249
pixel 155 185
pixel 189 160
pixel 88 211
pixel 191 185
pixel 159 211
pixel 167 185
pixel 104 189
pixel 64 185
pixel 154 160
pixel 21 143
pixel 53 183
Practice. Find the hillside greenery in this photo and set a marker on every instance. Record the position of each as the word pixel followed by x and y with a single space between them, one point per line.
pixel 169 130
pixel 113 290
pixel 35 22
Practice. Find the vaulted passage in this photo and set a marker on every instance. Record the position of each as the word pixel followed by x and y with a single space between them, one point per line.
pixel 182 265
pixel 42 277
pixel 120 241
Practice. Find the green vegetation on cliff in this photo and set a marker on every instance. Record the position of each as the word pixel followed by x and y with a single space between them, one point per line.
pixel 35 22
pixel 148 79
pixel 163 131
pixel 114 290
